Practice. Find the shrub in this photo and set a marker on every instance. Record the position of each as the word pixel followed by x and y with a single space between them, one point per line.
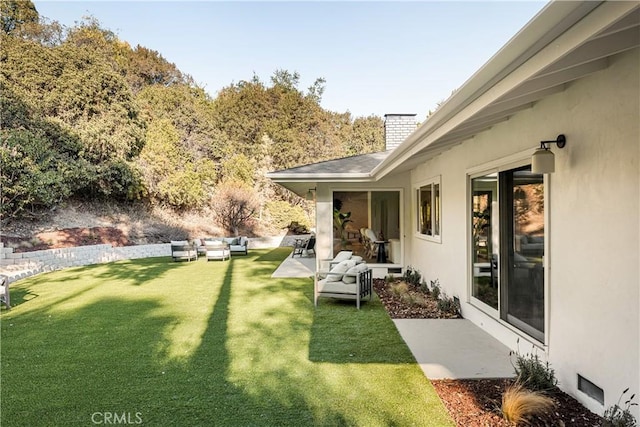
pixel 424 287
pixel 282 215
pixel 412 276
pixel 235 206
pixel 435 289
pixel 534 374
pixel 620 416
pixel 446 304
pixel 519 404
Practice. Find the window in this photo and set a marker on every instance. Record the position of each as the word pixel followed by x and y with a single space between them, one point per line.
pixel 428 215
pixel 508 227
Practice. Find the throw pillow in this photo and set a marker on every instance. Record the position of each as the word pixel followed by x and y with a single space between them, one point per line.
pixel 356 269
pixel 342 256
pixel 357 259
pixel 339 270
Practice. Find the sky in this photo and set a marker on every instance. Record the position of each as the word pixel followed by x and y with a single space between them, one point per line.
pixel 376 57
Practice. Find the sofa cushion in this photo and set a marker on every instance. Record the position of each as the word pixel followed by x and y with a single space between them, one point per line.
pixel 356 269
pixel 342 256
pixel 336 272
pixel 231 241
pixel 336 287
pixel 358 259
pixel 179 242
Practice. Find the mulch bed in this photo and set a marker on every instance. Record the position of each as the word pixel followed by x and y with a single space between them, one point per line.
pixel 476 403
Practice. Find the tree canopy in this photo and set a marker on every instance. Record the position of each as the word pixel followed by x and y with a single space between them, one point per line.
pixel 84 114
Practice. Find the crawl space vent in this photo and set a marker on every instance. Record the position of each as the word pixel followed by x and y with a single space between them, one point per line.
pixel 590 389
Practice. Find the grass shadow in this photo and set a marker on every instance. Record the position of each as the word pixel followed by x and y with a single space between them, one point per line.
pixel 202 344
pixel 343 334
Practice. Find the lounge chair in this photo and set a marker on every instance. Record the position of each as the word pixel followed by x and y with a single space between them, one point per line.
pixel 347 280
pixel 304 246
pixel 183 250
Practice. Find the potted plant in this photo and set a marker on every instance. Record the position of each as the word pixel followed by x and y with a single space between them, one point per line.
pixel 340 221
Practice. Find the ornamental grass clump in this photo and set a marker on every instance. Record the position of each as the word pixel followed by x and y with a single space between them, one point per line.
pixel 402 291
pixel 519 404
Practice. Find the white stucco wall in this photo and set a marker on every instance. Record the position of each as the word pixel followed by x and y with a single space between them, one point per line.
pixel 593 299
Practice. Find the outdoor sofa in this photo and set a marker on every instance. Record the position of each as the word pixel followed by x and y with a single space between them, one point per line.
pixel 237 245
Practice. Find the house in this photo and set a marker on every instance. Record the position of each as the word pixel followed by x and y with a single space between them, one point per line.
pixel 546 262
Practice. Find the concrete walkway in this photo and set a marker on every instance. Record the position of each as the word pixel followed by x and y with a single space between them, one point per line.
pixel 444 348
pixel 455 348
pixel 296 267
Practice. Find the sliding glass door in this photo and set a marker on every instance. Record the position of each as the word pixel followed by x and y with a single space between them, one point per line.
pixel 508 224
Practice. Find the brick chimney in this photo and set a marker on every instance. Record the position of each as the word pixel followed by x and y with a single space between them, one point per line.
pixel 397 127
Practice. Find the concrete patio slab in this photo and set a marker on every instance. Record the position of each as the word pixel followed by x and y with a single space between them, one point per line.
pixel 455 349
pixel 444 348
pixel 296 267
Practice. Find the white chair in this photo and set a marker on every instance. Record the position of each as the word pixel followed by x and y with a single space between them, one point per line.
pixel 183 250
pixel 217 250
pixel 4 291
pixel 346 280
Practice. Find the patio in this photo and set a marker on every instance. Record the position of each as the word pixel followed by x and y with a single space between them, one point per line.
pixel 444 348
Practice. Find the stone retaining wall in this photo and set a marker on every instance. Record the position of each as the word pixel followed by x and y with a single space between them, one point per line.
pixel 24 264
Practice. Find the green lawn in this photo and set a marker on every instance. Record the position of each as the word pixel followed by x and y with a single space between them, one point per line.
pixel 160 343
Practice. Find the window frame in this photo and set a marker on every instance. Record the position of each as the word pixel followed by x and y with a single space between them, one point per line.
pixel 434 186
pixel 497 167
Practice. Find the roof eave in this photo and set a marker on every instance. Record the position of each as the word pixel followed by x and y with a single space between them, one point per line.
pixel 503 72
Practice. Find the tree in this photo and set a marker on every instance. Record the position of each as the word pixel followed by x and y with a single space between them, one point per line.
pixel 15 13
pixel 143 67
pixel 316 90
pixel 238 168
pixel 40 165
pixel 235 206
pixel 367 136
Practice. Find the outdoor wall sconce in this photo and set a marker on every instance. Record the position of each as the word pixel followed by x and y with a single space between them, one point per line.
pixel 543 160
pixel 310 193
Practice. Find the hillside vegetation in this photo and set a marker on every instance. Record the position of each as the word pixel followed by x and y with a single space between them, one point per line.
pixel 87 117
